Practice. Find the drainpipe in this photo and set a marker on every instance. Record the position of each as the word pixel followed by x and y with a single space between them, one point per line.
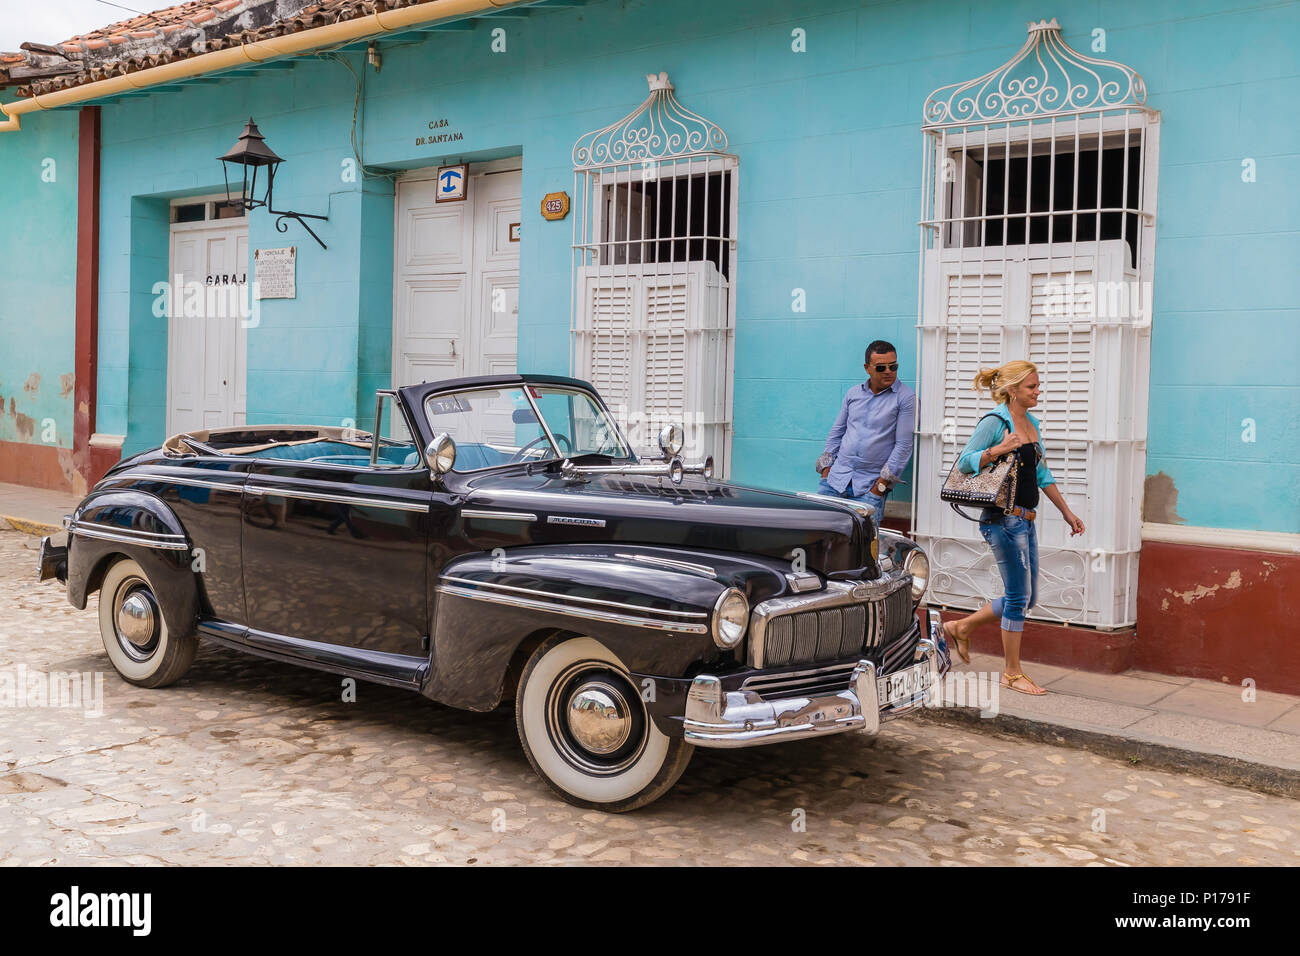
pixel 253 52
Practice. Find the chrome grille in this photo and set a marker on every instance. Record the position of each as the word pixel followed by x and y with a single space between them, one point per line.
pixel 837 633
pixel 897 613
pixel 828 635
pixel 900 653
pixel 807 683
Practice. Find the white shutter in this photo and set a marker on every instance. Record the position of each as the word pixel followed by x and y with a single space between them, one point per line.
pixel 607 337
pixel 665 301
pixel 655 343
pixel 1061 345
pixel 972 308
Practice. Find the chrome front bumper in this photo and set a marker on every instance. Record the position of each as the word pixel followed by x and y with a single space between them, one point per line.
pixel 718 718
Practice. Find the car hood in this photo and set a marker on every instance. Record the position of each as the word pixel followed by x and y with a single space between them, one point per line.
pixel 708 515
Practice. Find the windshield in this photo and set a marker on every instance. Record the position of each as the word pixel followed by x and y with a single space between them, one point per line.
pixel 498 426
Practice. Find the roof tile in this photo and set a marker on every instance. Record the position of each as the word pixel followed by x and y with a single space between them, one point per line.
pixel 174 33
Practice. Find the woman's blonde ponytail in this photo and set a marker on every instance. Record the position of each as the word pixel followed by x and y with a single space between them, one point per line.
pixel 996 381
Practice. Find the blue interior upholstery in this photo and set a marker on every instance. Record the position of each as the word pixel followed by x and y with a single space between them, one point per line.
pixel 469 457
pixel 337 453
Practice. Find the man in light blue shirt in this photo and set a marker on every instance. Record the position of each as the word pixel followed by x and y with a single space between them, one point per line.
pixel 871 440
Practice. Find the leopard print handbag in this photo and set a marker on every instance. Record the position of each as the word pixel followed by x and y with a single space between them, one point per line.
pixel 993 486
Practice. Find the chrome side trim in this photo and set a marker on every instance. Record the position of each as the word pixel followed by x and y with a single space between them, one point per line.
pixel 671 563
pixel 836 594
pixel 144 539
pixel 566 597
pixel 854 506
pixel 395 504
pixel 498 515
pixel 176 480
pixel 590 613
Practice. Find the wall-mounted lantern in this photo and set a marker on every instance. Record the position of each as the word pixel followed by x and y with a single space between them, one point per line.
pixel 251 153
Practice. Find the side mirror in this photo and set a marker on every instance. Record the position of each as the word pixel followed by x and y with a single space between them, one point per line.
pixel 671 439
pixel 440 454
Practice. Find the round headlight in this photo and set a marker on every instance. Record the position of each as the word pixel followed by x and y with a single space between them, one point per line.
pixel 730 618
pixel 918 566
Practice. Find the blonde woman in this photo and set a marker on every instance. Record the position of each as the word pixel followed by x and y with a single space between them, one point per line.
pixel 1012 537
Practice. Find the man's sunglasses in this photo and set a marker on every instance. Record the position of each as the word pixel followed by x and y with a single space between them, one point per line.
pixel 892 366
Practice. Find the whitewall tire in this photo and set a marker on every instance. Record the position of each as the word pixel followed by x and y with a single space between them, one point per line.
pixel 144 651
pixel 586 730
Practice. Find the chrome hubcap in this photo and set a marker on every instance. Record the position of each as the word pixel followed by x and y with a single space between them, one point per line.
pixel 137 620
pixel 599 717
pixel 596 719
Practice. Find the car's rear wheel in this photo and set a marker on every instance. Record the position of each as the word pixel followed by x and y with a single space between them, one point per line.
pixel 144 651
pixel 586 731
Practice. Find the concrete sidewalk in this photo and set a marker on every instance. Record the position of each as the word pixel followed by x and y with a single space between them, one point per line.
pixel 34 510
pixel 1233 734
pixel 1171 722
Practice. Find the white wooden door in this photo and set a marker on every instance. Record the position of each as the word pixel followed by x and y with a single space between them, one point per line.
pixel 456 283
pixel 207 339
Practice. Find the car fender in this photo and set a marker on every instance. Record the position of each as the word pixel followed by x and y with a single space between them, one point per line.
pixel 138 525
pixel 651 606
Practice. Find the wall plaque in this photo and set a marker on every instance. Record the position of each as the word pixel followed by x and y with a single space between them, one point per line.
pixel 451 183
pixel 275 272
pixel 555 206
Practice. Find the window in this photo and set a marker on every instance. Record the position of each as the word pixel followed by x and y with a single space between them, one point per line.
pixel 204 210
pixel 684 218
pixel 654 273
pixel 1066 203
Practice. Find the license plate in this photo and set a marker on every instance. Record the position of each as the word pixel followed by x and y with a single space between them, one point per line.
pixel 903 685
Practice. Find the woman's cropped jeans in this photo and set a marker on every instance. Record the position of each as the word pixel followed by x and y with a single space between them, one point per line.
pixel 1015 546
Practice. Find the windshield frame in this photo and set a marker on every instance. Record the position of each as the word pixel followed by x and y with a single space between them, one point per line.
pixel 524 386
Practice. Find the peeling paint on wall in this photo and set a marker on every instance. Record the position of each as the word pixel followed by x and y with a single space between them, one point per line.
pixel 1160 500
pixel 66 381
pixel 33 383
pixel 25 425
pixel 1201 591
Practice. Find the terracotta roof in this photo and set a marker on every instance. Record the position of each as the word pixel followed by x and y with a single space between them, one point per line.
pixel 173 33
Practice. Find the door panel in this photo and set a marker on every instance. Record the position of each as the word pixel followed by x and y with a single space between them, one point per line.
pixel 456 283
pixel 206 337
pixel 338 555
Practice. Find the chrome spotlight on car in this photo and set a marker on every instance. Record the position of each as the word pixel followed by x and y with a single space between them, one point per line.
pixel 671 440
pixel 440 454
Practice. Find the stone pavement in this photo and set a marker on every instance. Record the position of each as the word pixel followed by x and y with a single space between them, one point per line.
pixel 1172 722
pixel 250 761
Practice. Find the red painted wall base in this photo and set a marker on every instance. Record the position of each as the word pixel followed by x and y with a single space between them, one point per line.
pixel 1220 614
pixel 1213 613
pixel 1078 648
pixel 39 466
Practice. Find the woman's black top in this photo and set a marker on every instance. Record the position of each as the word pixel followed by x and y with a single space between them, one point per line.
pixel 1027 475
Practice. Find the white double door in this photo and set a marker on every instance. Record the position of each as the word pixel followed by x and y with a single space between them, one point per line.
pixel 207 336
pixel 456 284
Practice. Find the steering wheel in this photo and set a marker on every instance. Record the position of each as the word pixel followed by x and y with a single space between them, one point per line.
pixel 519 455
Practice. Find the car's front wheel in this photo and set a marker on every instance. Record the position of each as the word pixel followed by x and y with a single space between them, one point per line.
pixel 585 729
pixel 139 643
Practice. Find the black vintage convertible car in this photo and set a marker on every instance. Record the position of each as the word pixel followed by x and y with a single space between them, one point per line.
pixel 495 539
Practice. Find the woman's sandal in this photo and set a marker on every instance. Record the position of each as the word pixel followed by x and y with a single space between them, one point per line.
pixel 961 643
pixel 1009 682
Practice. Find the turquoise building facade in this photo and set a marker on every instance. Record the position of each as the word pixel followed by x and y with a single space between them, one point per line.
pixel 822 107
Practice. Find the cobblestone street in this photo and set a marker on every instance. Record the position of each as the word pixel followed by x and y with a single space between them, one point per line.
pixel 249 761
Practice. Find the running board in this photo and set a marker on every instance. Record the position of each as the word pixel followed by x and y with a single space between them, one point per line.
pixel 380 667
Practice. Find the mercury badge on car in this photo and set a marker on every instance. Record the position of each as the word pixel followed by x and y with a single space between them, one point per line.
pixel 496 540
